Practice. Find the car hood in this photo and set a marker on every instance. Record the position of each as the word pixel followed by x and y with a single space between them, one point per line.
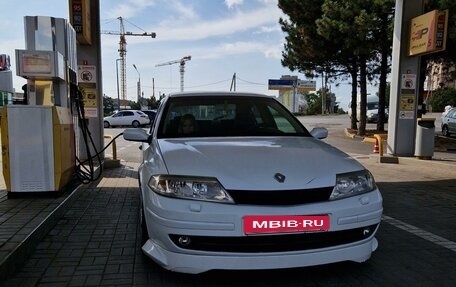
pixel 252 163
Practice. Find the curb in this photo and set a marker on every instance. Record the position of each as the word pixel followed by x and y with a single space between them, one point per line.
pixel 348 134
pixel 401 159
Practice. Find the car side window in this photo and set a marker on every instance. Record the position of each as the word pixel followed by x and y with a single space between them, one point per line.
pixel 281 122
pixel 128 113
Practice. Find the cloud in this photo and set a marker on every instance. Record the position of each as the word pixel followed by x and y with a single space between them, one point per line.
pixel 184 11
pixel 268 29
pixel 129 9
pixel 240 47
pixel 241 21
pixel 231 3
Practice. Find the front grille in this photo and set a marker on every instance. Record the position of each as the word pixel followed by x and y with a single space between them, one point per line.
pixel 281 197
pixel 273 243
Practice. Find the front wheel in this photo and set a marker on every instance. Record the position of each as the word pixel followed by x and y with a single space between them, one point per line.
pixel 106 124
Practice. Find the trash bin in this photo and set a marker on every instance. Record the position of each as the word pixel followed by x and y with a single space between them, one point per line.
pixel 424 142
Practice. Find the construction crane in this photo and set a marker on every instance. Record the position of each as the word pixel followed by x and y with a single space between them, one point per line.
pixel 181 68
pixel 123 53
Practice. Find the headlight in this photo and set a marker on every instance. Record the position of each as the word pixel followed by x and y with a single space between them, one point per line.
pixel 352 183
pixel 197 188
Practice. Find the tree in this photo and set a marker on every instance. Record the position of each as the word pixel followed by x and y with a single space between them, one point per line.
pixel 354 28
pixel 313 103
pixel 134 105
pixel 340 37
pixel 442 98
pixel 383 35
pixel 108 105
pixel 152 103
pixel 364 27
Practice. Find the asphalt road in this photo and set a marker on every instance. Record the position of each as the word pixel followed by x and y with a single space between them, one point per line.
pixel 417 242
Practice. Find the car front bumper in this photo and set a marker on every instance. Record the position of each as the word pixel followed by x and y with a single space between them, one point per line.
pixel 168 217
pixel 198 263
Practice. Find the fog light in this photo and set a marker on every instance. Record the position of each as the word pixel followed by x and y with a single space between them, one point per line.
pixel 184 240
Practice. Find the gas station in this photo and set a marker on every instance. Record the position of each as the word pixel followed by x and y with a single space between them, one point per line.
pixel 62 65
pixel 57 128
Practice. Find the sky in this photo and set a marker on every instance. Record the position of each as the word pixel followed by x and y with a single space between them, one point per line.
pixel 223 37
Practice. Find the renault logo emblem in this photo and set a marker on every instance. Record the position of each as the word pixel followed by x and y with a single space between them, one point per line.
pixel 279 177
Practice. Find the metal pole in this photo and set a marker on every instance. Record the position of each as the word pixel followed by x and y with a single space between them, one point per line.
pixel 182 67
pixel 153 88
pixel 322 93
pixel 139 85
pixel 117 79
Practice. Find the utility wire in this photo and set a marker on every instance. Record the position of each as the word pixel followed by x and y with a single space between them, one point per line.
pixel 249 82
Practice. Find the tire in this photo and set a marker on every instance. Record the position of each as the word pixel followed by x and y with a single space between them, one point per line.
pixel 445 131
pixel 106 124
pixel 135 124
pixel 142 221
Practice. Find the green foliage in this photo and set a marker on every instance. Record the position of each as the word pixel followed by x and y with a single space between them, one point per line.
pixel 313 103
pixel 340 38
pixel 152 103
pixel 441 98
pixel 109 106
pixel 135 106
pixel 305 49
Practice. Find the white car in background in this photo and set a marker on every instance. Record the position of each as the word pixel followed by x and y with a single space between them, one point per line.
pixel 371 110
pixel 448 122
pixel 132 118
pixel 249 187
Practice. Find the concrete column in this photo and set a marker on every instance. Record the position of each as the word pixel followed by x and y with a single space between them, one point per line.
pixel 404 82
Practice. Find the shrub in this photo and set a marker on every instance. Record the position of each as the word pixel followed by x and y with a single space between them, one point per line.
pixel 441 98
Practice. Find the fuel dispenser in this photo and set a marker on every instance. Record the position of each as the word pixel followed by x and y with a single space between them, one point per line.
pixel 38 145
pixel 6 80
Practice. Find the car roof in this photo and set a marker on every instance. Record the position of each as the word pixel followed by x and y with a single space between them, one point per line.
pixel 216 94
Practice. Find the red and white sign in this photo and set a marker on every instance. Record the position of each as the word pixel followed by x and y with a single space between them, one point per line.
pixel 255 224
pixel 87 74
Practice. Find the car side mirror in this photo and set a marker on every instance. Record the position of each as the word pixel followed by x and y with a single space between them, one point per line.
pixel 136 135
pixel 319 133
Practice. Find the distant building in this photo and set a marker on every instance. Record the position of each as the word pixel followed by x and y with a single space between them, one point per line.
pixel 440 76
pixel 297 104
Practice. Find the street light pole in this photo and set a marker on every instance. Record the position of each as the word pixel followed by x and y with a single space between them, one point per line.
pixel 139 86
pixel 117 78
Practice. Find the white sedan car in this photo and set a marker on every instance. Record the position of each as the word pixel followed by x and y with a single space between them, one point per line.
pixel 248 187
pixel 134 118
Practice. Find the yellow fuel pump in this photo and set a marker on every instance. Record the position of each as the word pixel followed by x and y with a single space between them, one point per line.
pixel 38 145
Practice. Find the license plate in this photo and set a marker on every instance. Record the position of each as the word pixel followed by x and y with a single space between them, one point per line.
pixel 256 224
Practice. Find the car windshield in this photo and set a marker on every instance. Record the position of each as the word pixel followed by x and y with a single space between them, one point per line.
pixel 222 116
pixel 372 106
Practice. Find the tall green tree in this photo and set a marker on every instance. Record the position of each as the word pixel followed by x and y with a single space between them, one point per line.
pixel 361 29
pixel 343 23
pixel 341 34
pixel 307 50
pixel 383 33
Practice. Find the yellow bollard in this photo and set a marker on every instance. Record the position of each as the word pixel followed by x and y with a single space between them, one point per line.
pixel 114 147
pixel 379 138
